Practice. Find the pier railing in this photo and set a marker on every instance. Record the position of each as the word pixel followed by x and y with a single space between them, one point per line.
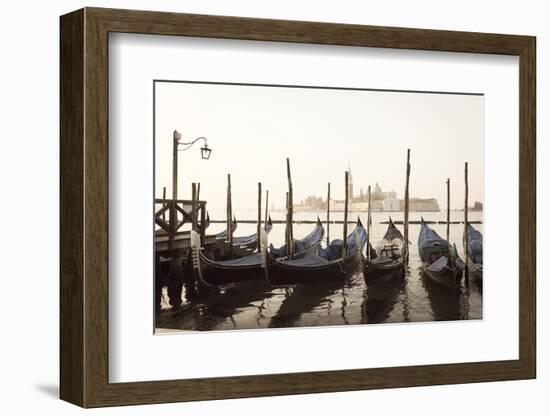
pixel 183 212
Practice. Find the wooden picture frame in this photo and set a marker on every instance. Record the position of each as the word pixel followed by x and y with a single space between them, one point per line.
pixel 84 207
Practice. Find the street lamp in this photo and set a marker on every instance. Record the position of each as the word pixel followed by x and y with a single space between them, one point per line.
pixel 177 143
pixel 205 150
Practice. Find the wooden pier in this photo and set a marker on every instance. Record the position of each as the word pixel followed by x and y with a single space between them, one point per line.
pixel 181 242
pixel 173 245
pixel 185 214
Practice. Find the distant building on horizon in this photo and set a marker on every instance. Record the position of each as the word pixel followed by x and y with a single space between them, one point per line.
pixel 421 205
pixel 380 201
pixel 478 206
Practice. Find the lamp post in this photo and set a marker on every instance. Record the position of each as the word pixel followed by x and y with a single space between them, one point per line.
pixel 205 154
pixel 175 286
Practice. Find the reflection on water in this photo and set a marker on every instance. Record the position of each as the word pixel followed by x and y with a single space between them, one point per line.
pixel 380 300
pixel 349 301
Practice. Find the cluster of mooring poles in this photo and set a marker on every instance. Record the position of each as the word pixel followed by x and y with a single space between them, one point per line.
pixel 466 222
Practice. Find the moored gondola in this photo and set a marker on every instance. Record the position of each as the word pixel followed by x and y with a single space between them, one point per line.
pixel 221 272
pixel 242 246
pixel 222 235
pixel 475 252
pixel 386 263
pixel 327 264
pixel 307 245
pixel 439 262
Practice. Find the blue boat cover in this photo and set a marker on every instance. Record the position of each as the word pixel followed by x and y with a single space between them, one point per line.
pixel 392 232
pixel 382 260
pixel 245 240
pixel 302 245
pixel 430 242
pixel 439 265
pixel 250 261
pixel 475 244
pixel 250 239
pixel 310 260
pixel 223 234
pixel 354 243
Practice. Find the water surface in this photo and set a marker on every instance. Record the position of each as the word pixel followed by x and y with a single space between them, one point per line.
pixel 253 305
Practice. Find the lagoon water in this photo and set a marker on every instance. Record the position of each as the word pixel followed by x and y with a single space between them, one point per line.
pixel 253 305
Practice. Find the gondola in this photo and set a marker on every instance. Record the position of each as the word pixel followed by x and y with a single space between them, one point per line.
pixel 327 264
pixel 222 235
pixel 242 246
pixel 386 263
pixel 222 272
pixel 439 262
pixel 307 245
pixel 475 252
pixel 207 220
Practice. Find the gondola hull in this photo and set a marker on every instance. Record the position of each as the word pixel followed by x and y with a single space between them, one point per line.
pixel 474 242
pixel 219 274
pixel 445 276
pixel 282 273
pixel 475 270
pixel 382 273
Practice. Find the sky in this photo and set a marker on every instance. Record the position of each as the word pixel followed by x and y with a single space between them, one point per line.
pixel 253 129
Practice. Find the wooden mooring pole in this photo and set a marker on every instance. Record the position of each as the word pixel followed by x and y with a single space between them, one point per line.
pixel 287 226
pixel 368 224
pixel 448 211
pixel 203 224
pixel 328 214
pixel 194 206
pixel 406 213
pixel 164 198
pixel 200 210
pixel 229 216
pixel 345 243
pixel 266 204
pixel 173 212
pixel 465 237
pixel 290 208
pixel 175 282
pixel 191 283
pixel 259 227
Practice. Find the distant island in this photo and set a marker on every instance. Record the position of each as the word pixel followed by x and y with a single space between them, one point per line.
pixel 380 202
pixel 478 206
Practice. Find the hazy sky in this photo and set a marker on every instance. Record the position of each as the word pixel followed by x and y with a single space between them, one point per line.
pixel 252 129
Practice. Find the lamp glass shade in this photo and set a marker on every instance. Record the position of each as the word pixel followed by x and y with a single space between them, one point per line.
pixel 205 152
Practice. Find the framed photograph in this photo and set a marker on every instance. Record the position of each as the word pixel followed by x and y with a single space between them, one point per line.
pixel 255 207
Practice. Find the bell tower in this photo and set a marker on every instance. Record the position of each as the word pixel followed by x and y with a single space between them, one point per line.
pixel 350 183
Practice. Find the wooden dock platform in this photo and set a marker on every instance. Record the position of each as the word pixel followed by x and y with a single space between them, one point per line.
pixel 181 243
